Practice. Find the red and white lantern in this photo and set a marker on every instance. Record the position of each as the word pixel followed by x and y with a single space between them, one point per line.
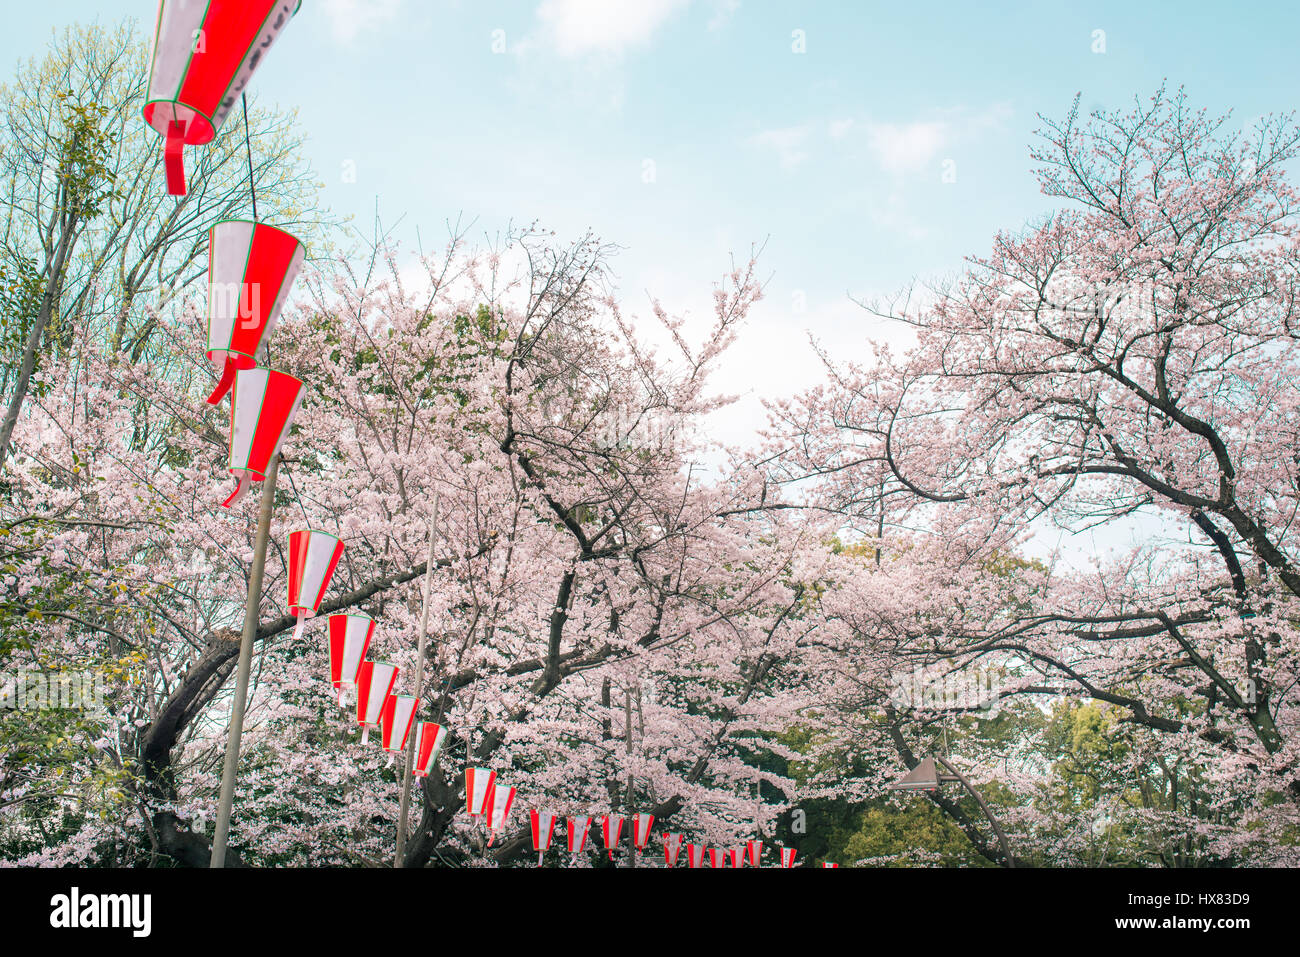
pixel 787 855
pixel 754 853
pixel 695 855
pixel 428 742
pixel 576 829
pixel 251 268
pixel 641 825
pixel 611 827
pixel 375 682
pixel 543 830
pixel 672 848
pixel 497 811
pixel 265 404
pixel 479 783
pixel 829 864
pixel 396 719
pixel 349 639
pixel 736 857
pixel 204 54
pixel 717 858
pixel 313 556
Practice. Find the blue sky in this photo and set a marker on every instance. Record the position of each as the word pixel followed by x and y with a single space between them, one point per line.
pixel 555 110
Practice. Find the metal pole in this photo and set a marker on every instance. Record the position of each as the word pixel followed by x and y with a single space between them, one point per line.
pixel 245 662
pixel 997 829
pixel 419 686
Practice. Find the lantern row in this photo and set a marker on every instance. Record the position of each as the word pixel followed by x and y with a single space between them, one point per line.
pixel 204 54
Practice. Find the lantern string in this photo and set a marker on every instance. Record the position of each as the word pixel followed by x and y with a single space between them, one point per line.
pixel 248 146
pixel 296 497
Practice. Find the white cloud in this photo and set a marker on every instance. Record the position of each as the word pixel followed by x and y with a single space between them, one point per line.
pixel 580 27
pixel 839 128
pixel 906 147
pixel 349 18
pixel 723 11
pixel 788 143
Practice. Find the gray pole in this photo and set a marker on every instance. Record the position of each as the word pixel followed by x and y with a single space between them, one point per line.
pixel 1002 838
pixel 245 662
pixel 419 683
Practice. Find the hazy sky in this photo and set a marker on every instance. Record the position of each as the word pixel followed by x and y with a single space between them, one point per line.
pixel 866 143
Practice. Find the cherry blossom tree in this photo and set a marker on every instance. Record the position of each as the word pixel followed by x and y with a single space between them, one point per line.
pixel 1126 363
pixel 616 626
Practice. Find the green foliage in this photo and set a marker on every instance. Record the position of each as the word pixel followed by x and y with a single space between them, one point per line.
pixel 83 172
pixel 918 831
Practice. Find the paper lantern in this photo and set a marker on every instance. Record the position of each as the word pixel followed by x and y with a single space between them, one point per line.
pixel 428 742
pixel 787 855
pixel 717 858
pixel 576 828
pixel 672 848
pixel 313 556
pixel 543 830
pixel 251 268
pixel 695 855
pixel 478 785
pixel 829 864
pixel 641 825
pixel 610 829
pixel 204 53
pixel 754 853
pixel 375 682
pixel 395 719
pixel 349 640
pixel 264 407
pixel 736 857
pixel 497 811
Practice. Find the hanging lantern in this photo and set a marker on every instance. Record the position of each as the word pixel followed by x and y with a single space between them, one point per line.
pixel 543 830
pixel 717 858
pixel 497 811
pixel 478 785
pixel 264 407
pixel 641 825
pixel 428 742
pixel 204 53
pixel 251 267
pixel 610 828
pixel 695 855
pixel 754 853
pixel 395 719
pixel 374 684
pixel 736 857
pixel 672 848
pixel 787 855
pixel 829 864
pixel 349 639
pixel 576 829
pixel 313 556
